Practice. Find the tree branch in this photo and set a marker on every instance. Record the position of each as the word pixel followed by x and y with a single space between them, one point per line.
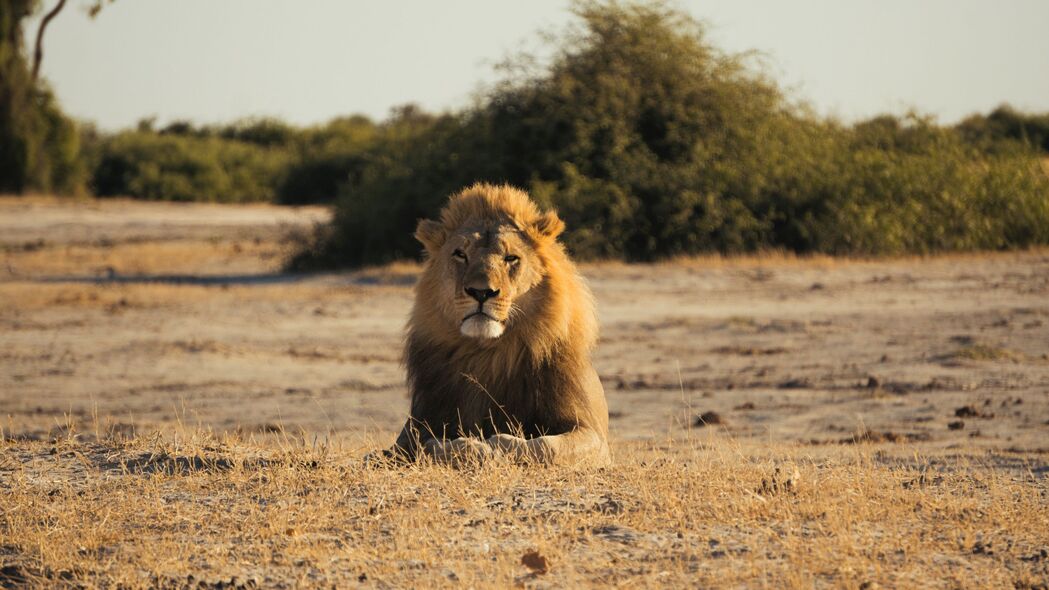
pixel 38 51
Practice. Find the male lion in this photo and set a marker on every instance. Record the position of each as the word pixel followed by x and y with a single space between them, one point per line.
pixel 499 340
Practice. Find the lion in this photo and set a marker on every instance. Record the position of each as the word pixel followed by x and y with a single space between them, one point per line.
pixel 499 339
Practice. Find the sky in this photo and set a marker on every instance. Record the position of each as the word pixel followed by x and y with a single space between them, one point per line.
pixel 307 61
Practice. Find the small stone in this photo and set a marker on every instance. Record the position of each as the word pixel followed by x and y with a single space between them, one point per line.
pixel 708 419
pixel 536 562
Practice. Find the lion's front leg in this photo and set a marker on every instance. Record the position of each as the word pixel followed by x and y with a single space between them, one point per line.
pixel 582 446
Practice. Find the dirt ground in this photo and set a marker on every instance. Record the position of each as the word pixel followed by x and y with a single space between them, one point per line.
pixel 152 314
pixel 131 320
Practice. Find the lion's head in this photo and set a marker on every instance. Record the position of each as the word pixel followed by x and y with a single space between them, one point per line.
pixel 488 257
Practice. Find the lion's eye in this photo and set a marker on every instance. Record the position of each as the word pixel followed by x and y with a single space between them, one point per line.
pixel 459 254
pixel 510 258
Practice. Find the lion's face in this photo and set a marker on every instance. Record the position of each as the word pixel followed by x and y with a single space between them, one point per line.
pixel 486 260
pixel 486 271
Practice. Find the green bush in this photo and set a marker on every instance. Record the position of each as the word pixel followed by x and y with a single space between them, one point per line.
pixel 173 167
pixel 327 157
pixel 935 194
pixel 652 144
pixel 1005 125
pixel 250 160
pixel 264 132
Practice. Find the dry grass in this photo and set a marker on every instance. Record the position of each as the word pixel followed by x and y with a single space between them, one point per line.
pixel 175 512
pixel 986 352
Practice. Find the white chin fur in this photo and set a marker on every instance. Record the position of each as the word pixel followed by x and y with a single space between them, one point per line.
pixel 480 326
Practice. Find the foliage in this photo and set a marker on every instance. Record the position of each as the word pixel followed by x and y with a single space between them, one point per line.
pixel 1006 125
pixel 249 160
pixel 653 144
pixel 39 148
pixel 650 142
pixel 169 166
pixel 920 188
pixel 327 157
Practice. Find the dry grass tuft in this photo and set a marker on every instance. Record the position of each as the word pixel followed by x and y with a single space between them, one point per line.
pixel 985 352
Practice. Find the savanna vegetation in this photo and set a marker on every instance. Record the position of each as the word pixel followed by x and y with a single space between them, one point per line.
pixel 649 141
pixel 299 515
pixel 250 160
pixel 652 143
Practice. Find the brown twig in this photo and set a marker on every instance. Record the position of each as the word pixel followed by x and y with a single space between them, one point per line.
pixel 38 51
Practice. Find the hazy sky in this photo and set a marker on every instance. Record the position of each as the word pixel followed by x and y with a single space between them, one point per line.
pixel 307 61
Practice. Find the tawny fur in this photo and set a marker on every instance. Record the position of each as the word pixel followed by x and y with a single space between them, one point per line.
pixel 534 380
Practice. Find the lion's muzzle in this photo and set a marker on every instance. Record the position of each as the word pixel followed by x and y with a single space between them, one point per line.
pixel 479 324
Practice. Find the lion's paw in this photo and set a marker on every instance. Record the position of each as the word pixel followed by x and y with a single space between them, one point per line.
pixel 506 443
pixel 520 449
pixel 458 451
pixel 384 458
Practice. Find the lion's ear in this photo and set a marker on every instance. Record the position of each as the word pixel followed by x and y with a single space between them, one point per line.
pixel 431 233
pixel 549 225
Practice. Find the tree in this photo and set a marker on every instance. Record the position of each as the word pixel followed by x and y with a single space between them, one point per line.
pixel 39 147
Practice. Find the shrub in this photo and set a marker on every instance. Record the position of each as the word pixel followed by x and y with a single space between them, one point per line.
pixel 652 144
pixel 250 160
pixel 937 194
pixel 327 157
pixel 155 166
pixel 1006 125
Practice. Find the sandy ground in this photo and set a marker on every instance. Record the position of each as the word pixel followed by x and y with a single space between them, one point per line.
pixel 941 352
pixel 138 340
pixel 44 220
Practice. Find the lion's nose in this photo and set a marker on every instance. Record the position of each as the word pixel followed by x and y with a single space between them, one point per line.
pixel 482 295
